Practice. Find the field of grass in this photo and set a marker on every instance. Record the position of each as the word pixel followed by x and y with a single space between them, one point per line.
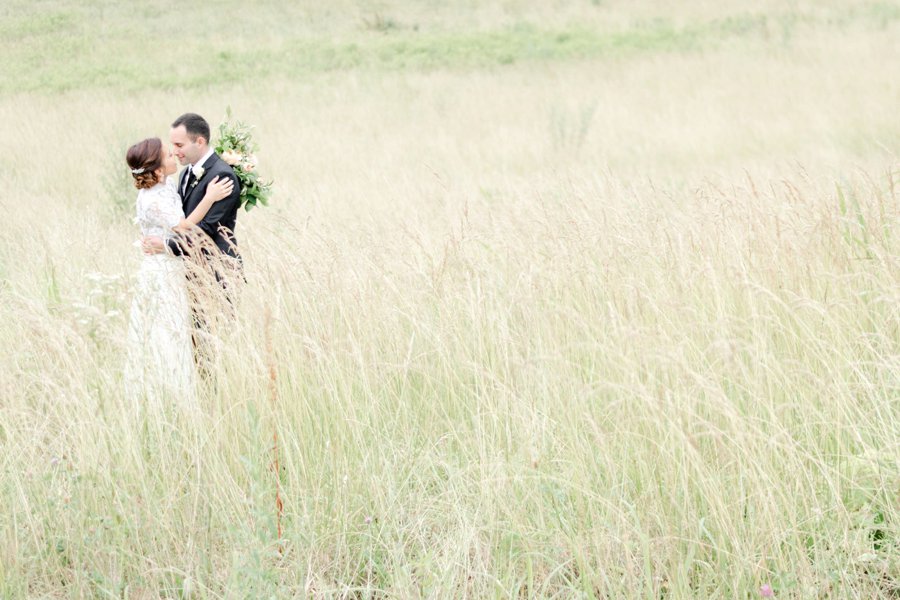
pixel 554 299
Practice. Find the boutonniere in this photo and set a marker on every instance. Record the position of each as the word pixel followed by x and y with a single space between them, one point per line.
pixel 198 172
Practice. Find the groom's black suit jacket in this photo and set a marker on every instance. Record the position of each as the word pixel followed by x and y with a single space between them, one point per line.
pixel 219 222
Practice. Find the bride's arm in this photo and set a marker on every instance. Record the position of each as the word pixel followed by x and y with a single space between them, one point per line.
pixel 217 189
pixel 163 208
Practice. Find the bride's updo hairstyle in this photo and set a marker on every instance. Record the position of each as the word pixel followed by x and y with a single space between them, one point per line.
pixel 144 158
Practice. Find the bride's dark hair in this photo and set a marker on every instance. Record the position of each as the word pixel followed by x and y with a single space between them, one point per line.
pixel 145 157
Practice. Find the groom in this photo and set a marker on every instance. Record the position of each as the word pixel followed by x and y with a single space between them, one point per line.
pixel 190 144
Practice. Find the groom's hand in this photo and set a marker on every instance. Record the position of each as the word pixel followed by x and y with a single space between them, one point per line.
pixel 152 245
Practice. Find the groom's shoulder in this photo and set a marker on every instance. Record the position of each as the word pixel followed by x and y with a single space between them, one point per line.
pixel 220 166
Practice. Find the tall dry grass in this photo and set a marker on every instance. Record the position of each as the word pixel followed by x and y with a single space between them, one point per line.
pixel 618 327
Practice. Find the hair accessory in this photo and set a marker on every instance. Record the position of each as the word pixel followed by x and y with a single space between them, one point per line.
pixel 138 171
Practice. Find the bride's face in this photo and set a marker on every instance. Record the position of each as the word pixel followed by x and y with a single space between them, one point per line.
pixel 168 162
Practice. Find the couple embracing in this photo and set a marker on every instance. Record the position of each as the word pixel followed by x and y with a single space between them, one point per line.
pixel 186 280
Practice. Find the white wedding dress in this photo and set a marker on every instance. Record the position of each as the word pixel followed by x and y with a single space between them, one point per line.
pixel 160 362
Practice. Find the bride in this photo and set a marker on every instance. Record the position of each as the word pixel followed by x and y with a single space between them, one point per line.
pixel 160 363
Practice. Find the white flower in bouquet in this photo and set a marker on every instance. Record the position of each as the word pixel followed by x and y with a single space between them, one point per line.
pixel 231 157
pixel 250 162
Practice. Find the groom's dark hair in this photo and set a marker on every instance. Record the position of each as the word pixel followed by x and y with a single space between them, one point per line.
pixel 194 124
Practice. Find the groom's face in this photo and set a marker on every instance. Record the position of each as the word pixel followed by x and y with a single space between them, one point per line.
pixel 187 151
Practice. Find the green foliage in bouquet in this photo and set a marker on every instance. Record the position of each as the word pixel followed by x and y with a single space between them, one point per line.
pixel 237 148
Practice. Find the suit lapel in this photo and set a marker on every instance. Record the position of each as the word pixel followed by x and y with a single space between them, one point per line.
pixel 210 161
pixel 189 201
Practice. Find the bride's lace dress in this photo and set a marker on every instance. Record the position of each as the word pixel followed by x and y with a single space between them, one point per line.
pixel 160 364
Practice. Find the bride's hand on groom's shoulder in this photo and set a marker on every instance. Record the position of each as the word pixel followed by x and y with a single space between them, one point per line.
pixel 219 188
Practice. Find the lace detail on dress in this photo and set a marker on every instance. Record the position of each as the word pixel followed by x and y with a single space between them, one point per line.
pixel 160 364
pixel 158 210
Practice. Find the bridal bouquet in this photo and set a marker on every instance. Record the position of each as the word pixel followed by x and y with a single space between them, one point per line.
pixel 236 147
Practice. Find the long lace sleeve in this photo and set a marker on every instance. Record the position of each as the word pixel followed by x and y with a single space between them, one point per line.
pixel 159 211
pixel 163 215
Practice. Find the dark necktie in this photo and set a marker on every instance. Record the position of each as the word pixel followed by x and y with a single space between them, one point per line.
pixel 188 181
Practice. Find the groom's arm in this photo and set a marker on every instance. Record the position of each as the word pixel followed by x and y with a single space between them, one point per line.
pixel 156 245
pixel 177 244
